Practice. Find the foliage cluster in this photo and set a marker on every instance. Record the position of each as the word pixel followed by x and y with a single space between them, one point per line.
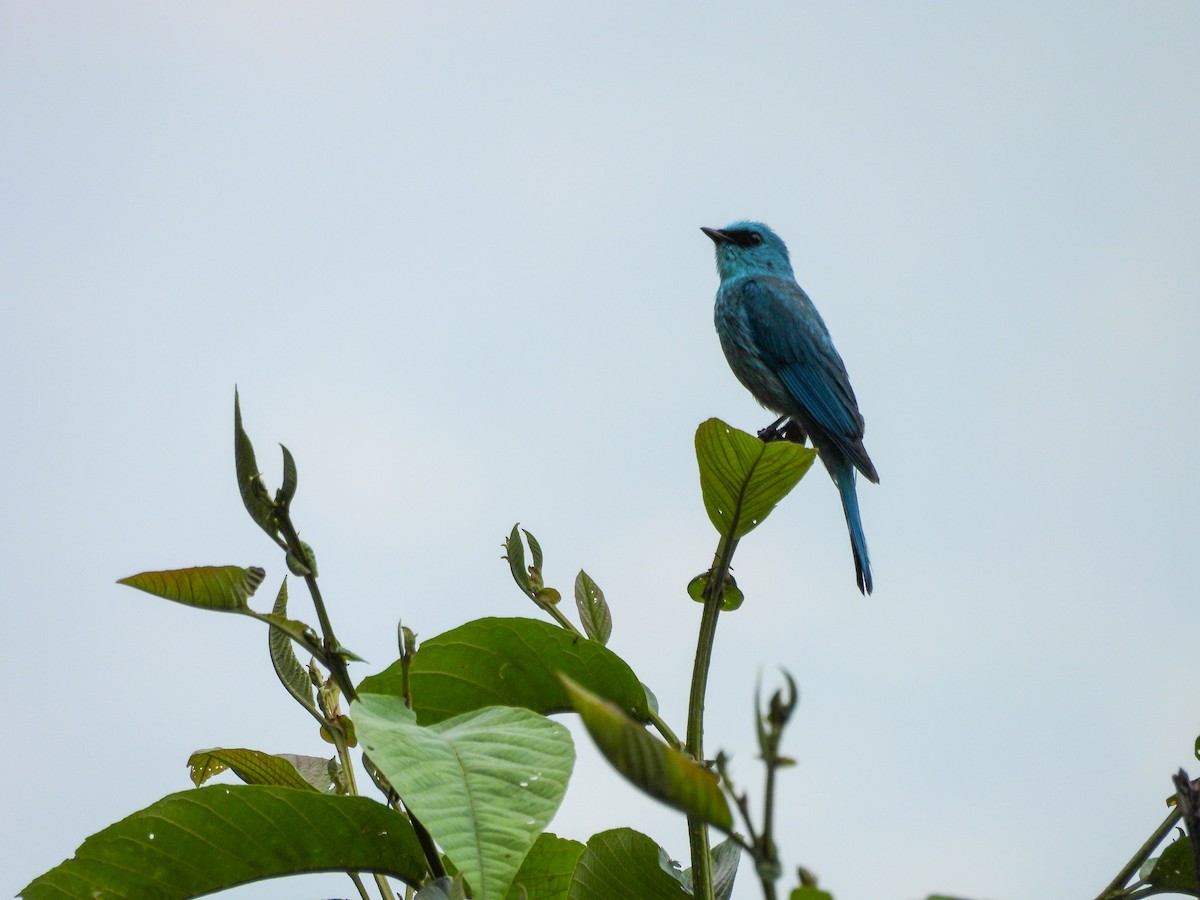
pixel 457 737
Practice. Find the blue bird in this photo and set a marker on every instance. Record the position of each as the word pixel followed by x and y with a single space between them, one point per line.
pixel 779 348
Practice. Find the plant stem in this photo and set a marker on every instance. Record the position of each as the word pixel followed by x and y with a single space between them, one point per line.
pixel 714 594
pixel 664 729
pixel 385 889
pixel 558 616
pixel 341 674
pixel 1116 887
pixel 333 657
pixel 362 891
pixel 766 842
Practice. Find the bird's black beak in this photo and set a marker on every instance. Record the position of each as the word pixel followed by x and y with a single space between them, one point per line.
pixel 718 236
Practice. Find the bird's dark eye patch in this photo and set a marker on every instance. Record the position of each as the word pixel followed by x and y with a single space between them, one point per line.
pixel 745 237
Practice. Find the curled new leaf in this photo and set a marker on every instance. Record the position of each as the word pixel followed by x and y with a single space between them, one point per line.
pixel 283 497
pixel 283 657
pixel 742 478
pixel 250 484
pixel 221 588
pixel 535 549
pixel 514 552
pixel 658 769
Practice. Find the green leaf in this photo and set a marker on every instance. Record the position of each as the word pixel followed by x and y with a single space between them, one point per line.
pixel 287 490
pixel 216 837
pixel 623 864
pixel 731 598
pixel 546 872
pixel 283 656
pixel 741 478
pixel 593 609
pixel 252 766
pixel 484 784
pixel 725 858
pixel 253 490
pixel 535 549
pixel 815 893
pixel 1174 870
pixel 514 552
pixel 508 662
pixel 658 769
pixel 221 588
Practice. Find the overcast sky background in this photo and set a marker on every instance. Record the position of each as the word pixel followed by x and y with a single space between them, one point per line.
pixel 450 255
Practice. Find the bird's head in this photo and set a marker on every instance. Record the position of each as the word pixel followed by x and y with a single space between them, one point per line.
pixel 749 248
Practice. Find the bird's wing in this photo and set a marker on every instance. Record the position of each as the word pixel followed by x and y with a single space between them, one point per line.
pixel 795 344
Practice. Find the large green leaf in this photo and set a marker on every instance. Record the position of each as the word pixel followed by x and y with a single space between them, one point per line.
pixel 223 588
pixel 546 872
pixel 623 864
pixel 658 769
pixel 216 837
pixel 485 784
pixel 741 478
pixel 508 662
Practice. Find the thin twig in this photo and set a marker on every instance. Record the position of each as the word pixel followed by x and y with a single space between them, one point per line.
pixel 1116 887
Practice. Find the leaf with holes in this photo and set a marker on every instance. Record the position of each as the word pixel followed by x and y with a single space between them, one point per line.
pixel 741 478
pixel 252 766
pixel 593 608
pixel 211 838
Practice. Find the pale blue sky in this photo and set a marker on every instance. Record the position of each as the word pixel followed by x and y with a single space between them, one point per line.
pixel 450 254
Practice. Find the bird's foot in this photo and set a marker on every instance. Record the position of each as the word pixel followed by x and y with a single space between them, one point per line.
pixel 783 429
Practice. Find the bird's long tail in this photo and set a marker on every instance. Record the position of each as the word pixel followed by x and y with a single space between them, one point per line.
pixel 845 480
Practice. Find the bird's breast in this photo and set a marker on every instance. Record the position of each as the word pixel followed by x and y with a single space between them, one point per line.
pixel 745 357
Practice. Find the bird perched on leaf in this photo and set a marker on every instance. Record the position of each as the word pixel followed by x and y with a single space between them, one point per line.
pixel 779 348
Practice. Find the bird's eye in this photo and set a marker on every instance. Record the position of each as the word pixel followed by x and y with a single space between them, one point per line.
pixel 755 239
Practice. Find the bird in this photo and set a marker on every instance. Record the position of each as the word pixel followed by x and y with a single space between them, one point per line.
pixel 777 345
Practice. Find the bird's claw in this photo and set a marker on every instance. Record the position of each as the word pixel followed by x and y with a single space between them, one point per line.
pixel 783 429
